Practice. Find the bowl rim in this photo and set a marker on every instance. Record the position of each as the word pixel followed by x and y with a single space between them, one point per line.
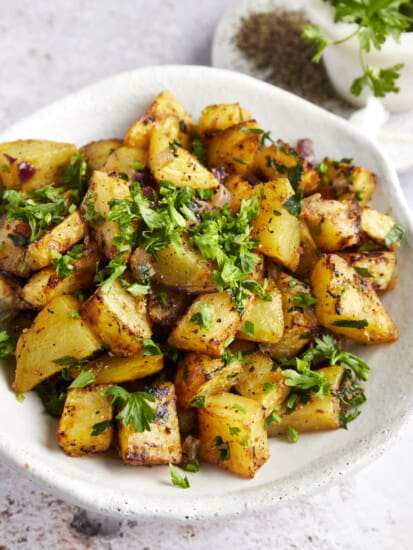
pixel 251 499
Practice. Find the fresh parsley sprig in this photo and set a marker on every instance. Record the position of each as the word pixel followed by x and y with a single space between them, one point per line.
pixel 376 20
pixel 7 344
pixel 64 263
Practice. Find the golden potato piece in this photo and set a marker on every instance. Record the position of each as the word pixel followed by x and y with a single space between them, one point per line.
pixel 213 339
pixel 28 164
pixel 125 161
pixel 95 209
pixel 262 381
pixel 232 435
pixel 169 161
pixel 376 267
pixel 235 148
pixel 215 118
pixel 45 285
pixel 276 229
pixel 165 107
pixel 265 319
pixel 334 225
pixel 96 153
pixel 60 239
pixel 160 445
pixel 199 375
pixel 12 253
pixel 84 409
pixel 41 345
pixel 379 227
pixel 10 301
pixel 347 305
pixel 344 181
pixel 118 318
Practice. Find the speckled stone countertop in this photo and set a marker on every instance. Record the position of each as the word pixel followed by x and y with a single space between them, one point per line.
pixel 48 49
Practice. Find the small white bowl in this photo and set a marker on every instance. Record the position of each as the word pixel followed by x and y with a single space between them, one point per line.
pixel 343 65
pixel 103 483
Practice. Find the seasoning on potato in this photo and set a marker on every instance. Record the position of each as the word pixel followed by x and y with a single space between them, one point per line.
pixel 190 288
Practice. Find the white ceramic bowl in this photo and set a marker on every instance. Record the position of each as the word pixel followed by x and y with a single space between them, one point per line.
pixel 27 435
pixel 343 65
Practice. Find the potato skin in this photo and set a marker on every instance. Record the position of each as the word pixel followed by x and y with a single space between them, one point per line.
pixel 346 298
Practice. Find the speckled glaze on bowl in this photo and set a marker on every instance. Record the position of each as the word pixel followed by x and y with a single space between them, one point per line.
pixel 27 435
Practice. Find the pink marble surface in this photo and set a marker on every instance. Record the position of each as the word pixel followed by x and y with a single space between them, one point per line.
pixel 47 50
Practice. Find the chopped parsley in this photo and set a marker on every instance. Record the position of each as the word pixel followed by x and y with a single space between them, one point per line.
pixel 40 209
pixel 177 479
pixel 303 300
pixel 294 204
pixel 307 379
pixel 199 151
pixel 204 316
pixel 395 235
pixel 7 344
pixel 223 448
pixel 101 427
pixel 198 402
pixel 134 407
pixel 150 347
pixel 83 379
pixel 74 176
pixel 64 264
pixel 363 271
pixel 89 213
pixel 351 323
pixel 292 434
pixel 247 328
pixel 273 417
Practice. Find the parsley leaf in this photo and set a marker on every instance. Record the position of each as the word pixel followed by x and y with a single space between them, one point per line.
pixel 351 323
pixel 307 379
pixel 150 347
pixel 83 379
pixel 64 264
pixel 204 316
pixel 247 328
pixel 177 479
pixel 294 204
pixel 292 434
pixel 395 235
pixel 74 175
pixel 303 300
pixel 101 427
pixel 7 344
pixel 199 151
pixel 135 408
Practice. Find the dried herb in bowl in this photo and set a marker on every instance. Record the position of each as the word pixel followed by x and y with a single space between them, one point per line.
pixel 273 41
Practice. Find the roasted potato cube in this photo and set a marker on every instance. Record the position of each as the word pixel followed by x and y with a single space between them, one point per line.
pixel 10 301
pixel 124 160
pixel 347 304
pixel 278 161
pixel 343 181
pixel 277 231
pixel 108 369
pixel 41 345
pixel 28 164
pixel 170 162
pixel 232 435
pixel 265 318
pixel 262 381
pixel 60 238
pixel 186 271
pixel 378 226
pixel 102 189
pixel 224 323
pixel 320 413
pixel 198 375
pixel 215 118
pixel 160 445
pixel 84 409
pixel 45 285
pixel 299 319
pixel 120 319
pixel 96 153
pixel 165 106
pixel 376 267
pixel 234 148
pixel 310 254
pixel 12 253
pixel 334 225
